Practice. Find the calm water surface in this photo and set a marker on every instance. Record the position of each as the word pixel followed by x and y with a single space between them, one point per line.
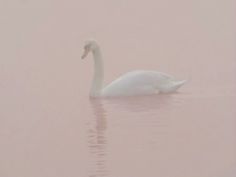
pixel 50 128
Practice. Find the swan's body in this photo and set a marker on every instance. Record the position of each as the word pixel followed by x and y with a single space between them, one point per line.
pixel 139 82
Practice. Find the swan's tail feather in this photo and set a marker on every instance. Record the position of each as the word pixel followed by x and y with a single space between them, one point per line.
pixel 178 84
pixel 172 86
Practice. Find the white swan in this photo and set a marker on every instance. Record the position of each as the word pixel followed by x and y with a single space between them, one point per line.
pixel 138 82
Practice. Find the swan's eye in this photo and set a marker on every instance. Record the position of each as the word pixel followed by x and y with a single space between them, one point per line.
pixel 86 47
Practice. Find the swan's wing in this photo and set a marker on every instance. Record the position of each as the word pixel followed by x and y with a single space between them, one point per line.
pixel 136 82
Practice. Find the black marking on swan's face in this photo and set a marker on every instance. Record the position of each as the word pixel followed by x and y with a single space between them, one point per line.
pixel 90 45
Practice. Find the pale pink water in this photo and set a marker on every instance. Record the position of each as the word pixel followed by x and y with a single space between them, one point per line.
pixel 50 128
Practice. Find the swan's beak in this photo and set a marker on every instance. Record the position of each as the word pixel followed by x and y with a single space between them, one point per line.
pixel 86 51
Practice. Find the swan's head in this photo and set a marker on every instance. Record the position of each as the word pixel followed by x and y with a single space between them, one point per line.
pixel 89 45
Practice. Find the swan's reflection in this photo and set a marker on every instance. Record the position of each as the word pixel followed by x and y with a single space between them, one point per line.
pixel 97 140
pixel 148 112
pixel 142 103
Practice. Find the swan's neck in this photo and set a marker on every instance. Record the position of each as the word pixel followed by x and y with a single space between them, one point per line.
pixel 97 83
